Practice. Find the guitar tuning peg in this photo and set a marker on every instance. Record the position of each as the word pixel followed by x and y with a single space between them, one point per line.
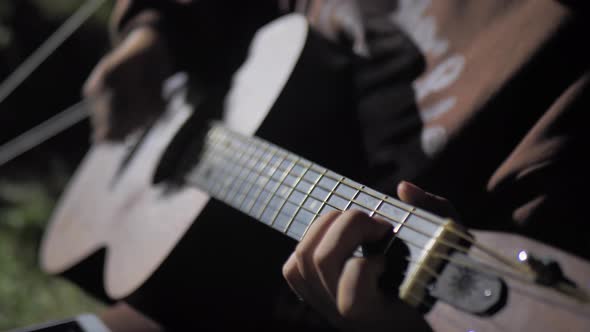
pixel 547 271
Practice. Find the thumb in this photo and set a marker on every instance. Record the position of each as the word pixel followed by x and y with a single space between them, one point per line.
pixel 414 195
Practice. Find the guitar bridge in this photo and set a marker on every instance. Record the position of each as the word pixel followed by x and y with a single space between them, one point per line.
pixel 444 272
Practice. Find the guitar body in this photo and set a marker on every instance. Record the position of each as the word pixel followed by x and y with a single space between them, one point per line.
pixel 528 307
pixel 92 236
pixel 188 260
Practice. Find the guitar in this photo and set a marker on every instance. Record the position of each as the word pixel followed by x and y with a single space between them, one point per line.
pixel 462 279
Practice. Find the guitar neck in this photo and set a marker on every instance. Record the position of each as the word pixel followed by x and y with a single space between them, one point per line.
pixel 288 192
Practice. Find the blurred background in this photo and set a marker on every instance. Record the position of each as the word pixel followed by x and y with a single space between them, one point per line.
pixel 31 184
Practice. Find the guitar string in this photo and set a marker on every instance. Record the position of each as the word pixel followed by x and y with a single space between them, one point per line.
pixel 268 178
pixel 476 265
pixel 268 159
pixel 261 188
pixel 230 171
pixel 477 245
pixel 315 214
pixel 72 24
pixel 480 266
pixel 47 48
pixel 525 269
pixel 421 300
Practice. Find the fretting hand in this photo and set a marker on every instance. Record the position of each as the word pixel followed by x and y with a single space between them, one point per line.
pixel 323 273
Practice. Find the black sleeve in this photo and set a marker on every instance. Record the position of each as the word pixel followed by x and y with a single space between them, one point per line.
pixel 208 38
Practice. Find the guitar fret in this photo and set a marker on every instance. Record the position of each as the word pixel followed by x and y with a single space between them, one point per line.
pixel 403 222
pixel 289 193
pixel 255 165
pixel 220 186
pixel 325 201
pixel 229 167
pixel 322 206
pixel 320 199
pixel 235 172
pixel 274 191
pixel 225 180
pixel 381 201
pixel 232 171
pixel 308 195
pixel 242 177
pixel 291 189
pixel 312 213
pixel 219 150
pixel 351 184
pixel 351 200
pixel 215 178
pixel 265 182
pixel 256 175
pixel 299 179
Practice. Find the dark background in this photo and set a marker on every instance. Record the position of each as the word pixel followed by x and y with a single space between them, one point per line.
pixel 30 184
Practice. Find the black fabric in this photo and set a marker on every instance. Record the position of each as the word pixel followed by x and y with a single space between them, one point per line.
pixel 386 105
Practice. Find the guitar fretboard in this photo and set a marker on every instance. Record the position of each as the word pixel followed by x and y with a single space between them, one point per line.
pixel 288 192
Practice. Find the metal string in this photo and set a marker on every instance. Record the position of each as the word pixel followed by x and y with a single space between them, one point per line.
pixel 306 164
pixel 488 251
pixel 78 112
pixel 480 266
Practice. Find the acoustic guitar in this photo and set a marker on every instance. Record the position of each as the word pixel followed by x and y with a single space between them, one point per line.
pixel 463 279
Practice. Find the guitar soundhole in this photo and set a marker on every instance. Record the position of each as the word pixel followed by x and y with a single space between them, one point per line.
pixel 463 283
pixel 467 289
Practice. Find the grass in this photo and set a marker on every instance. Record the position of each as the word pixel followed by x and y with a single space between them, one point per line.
pixel 27 295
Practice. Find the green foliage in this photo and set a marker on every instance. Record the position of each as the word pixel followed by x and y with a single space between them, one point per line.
pixel 27 295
